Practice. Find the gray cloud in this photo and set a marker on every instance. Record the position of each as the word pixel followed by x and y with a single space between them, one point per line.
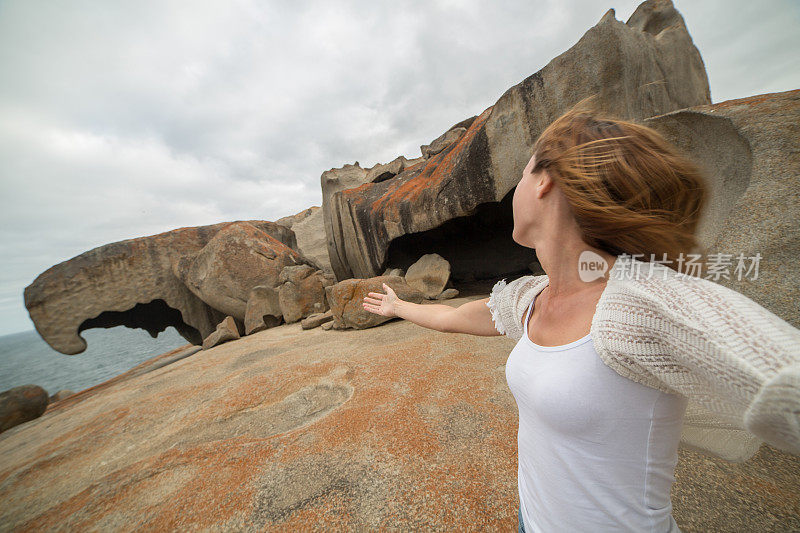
pixel 123 119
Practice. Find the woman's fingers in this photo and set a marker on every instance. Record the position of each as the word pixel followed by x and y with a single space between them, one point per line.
pixel 373 305
pixel 372 309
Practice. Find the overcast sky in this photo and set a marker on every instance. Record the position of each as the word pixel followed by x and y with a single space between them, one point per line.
pixel 125 119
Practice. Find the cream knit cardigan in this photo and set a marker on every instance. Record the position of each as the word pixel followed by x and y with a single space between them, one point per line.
pixel 736 362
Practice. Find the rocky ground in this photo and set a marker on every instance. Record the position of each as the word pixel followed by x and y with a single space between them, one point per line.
pixel 395 427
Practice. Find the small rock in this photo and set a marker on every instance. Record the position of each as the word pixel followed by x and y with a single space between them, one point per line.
pixel 447 294
pixel 317 319
pixel 60 395
pixel 226 331
pixel 21 404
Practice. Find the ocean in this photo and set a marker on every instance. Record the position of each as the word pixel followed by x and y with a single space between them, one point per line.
pixel 26 359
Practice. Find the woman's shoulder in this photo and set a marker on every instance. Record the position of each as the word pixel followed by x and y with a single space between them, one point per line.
pixel 516 283
pixel 507 300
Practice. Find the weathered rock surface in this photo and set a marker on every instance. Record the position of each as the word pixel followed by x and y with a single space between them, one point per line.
pixel 638 69
pixel 227 330
pixel 429 275
pixel 130 283
pixel 346 300
pixel 750 151
pixel 391 428
pixel 21 404
pixel 331 182
pixel 239 257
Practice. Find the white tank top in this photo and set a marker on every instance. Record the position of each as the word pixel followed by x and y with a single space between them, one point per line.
pixel 597 451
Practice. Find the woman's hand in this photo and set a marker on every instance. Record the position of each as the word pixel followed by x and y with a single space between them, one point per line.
pixel 382 304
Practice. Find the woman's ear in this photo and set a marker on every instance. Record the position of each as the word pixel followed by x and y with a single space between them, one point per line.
pixel 543 183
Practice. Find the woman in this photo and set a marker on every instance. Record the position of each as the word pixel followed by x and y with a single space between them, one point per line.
pixel 613 369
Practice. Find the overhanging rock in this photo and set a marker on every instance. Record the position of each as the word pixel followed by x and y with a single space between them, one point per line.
pixel 129 283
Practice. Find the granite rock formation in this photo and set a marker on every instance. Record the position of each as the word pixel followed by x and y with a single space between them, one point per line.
pixel 385 171
pixel 457 201
pixel 397 427
pixel 443 141
pixel 454 199
pixel 334 181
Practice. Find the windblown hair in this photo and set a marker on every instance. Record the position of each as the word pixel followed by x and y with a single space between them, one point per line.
pixel 630 190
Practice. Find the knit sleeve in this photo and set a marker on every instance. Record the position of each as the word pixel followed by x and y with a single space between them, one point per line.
pixel 506 301
pixel 731 356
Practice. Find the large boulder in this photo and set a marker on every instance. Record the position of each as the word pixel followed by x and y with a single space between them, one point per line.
pixel 129 283
pixel 239 257
pixel 645 67
pixel 749 149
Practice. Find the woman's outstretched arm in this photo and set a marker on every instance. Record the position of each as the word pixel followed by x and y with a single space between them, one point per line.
pixel 729 354
pixel 473 318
